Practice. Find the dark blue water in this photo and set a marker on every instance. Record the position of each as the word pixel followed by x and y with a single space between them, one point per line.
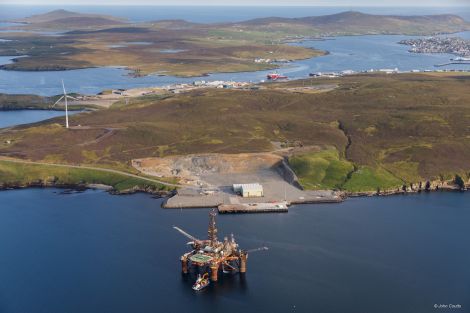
pixel 17 117
pixel 92 252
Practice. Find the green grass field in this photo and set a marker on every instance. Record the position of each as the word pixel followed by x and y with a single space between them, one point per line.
pixel 327 170
pixel 12 173
pixel 321 170
pixel 366 178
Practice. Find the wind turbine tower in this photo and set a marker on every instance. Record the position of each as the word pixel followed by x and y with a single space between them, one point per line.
pixel 65 96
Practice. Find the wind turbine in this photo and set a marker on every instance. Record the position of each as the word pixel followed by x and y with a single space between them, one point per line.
pixel 65 96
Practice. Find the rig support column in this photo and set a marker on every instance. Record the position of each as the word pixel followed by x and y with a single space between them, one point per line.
pixel 243 257
pixel 184 264
pixel 214 272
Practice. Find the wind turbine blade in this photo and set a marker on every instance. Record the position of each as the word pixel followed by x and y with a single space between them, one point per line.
pixel 63 88
pixel 59 100
pixel 70 97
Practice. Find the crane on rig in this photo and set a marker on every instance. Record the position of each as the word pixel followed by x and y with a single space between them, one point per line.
pixel 214 254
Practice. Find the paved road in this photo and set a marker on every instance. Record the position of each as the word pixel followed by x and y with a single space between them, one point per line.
pixel 91 168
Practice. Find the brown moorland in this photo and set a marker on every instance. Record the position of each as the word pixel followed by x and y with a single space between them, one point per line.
pixel 387 129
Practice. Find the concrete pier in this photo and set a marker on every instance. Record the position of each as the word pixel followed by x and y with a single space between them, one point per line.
pixel 253 208
pixel 278 196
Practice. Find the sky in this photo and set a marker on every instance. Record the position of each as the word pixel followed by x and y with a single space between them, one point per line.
pixel 390 3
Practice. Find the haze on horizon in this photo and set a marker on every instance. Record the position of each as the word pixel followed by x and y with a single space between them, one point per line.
pixel 348 3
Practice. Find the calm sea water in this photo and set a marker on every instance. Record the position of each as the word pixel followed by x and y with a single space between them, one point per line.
pixel 17 117
pixel 92 252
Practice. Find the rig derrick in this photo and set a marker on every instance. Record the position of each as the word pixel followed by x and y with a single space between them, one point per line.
pixel 213 254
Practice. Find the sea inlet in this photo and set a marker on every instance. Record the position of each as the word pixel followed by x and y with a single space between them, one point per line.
pixel 94 252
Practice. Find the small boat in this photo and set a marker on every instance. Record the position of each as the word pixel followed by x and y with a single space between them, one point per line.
pixel 201 282
pixel 275 76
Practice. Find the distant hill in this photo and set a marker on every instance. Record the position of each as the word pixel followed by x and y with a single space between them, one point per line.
pixel 361 23
pixel 345 23
pixel 68 19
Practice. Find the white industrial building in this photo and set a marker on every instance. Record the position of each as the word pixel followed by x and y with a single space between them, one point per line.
pixel 249 190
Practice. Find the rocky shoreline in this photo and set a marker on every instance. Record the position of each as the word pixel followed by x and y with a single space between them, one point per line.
pixel 412 189
pixel 83 187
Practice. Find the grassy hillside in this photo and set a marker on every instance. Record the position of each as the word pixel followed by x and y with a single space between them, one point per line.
pixel 357 23
pixel 15 174
pixel 63 19
pixel 378 131
pixel 321 170
pixel 27 102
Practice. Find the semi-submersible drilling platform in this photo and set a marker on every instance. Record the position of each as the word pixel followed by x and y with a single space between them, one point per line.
pixel 214 254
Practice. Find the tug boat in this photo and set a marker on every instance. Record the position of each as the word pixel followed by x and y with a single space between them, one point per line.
pixel 201 282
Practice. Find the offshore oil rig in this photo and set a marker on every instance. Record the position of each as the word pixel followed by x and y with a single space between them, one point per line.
pixel 214 254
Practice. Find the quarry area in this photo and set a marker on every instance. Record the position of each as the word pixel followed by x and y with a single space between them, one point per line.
pixel 209 181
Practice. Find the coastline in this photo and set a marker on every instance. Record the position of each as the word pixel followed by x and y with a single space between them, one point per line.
pixel 10 67
pixel 166 195
pixel 287 41
pixel 85 186
pixel 32 108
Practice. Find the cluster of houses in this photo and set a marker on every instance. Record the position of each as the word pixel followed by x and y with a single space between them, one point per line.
pixel 454 45
pixel 270 61
pixel 383 70
pixel 176 88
